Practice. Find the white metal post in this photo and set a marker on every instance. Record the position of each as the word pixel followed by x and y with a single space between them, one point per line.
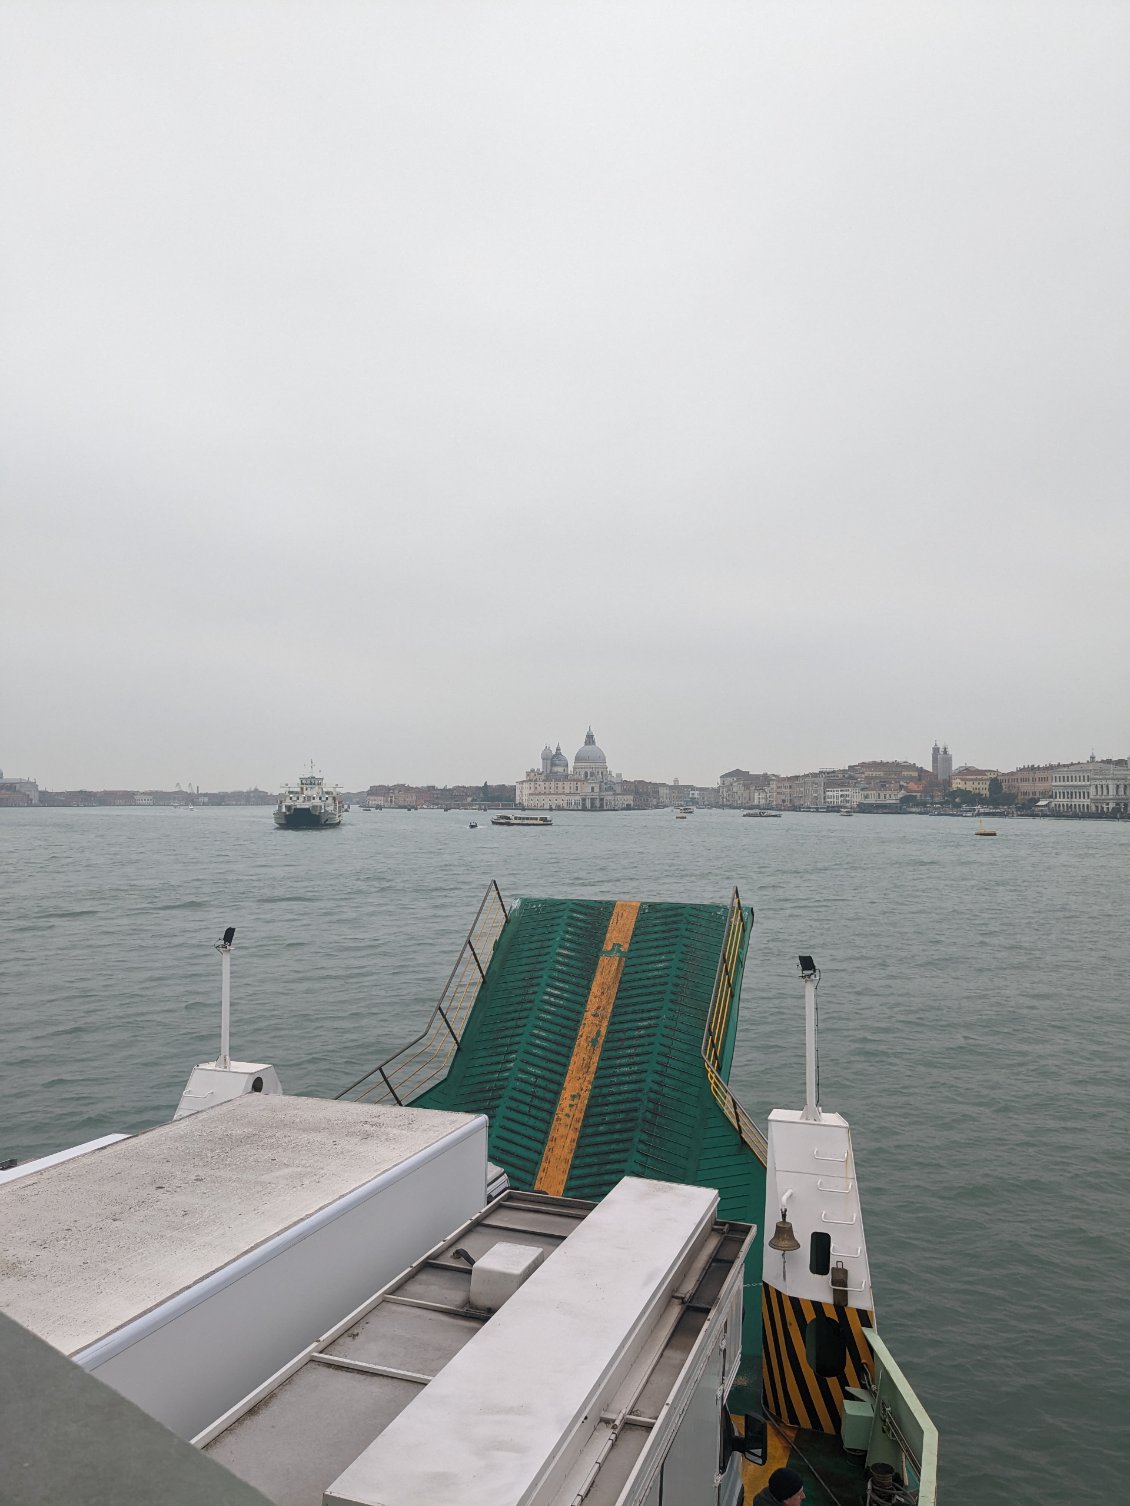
pixel 811 1107
pixel 225 1005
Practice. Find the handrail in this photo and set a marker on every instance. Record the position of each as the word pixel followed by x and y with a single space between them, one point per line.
pixel 717 1021
pixel 903 1434
pixel 408 1072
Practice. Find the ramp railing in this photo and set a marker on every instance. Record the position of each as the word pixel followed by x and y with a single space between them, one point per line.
pixel 425 1060
pixel 734 941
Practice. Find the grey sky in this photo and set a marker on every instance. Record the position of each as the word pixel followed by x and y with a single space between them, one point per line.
pixel 402 385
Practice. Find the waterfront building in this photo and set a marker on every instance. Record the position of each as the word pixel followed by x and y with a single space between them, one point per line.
pixel 741 789
pixel 941 763
pixel 1099 787
pixel 898 769
pixel 878 794
pixel 18 791
pixel 927 788
pixel 871 794
pixel 590 786
pixel 802 791
pixel 645 793
pixel 786 791
pixel 974 780
pixel 674 794
pixel 1032 782
pixel 400 796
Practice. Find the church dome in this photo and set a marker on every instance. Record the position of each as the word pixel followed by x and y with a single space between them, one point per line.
pixel 558 762
pixel 590 755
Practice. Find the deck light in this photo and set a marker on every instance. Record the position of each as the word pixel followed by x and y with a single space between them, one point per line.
pixel 807 967
pixel 223 946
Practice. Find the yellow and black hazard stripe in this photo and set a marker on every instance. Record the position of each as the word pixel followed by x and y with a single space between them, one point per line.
pixel 793 1392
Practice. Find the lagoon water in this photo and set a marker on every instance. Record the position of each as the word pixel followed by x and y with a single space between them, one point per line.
pixel 974 1029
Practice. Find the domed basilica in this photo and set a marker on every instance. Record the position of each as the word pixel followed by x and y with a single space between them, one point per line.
pixel 590 787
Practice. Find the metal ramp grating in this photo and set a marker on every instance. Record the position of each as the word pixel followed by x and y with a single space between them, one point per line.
pixel 653 1097
pixel 657 1104
pixel 517 1043
pixel 644 1115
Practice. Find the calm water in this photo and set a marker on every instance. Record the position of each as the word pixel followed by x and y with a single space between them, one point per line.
pixel 973 1029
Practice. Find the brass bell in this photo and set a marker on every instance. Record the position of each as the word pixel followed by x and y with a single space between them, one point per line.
pixel 784 1239
pixel 839 1278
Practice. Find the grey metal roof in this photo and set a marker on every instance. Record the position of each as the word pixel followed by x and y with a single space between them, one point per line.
pixel 93 1242
pixel 300 1432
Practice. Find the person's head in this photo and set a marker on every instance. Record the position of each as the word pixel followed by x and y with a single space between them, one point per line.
pixel 786 1486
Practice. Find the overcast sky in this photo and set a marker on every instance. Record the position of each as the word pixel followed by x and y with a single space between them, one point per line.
pixel 404 385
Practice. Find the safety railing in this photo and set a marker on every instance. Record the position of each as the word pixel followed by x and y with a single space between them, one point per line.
pixel 903 1435
pixel 734 942
pixel 425 1060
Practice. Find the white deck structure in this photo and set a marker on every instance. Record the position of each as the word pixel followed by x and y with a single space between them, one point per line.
pixel 294 1285
pixel 184 1265
pixel 603 1373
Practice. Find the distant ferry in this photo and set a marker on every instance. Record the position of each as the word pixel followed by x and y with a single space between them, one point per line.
pixel 309 804
pixel 763 815
pixel 508 820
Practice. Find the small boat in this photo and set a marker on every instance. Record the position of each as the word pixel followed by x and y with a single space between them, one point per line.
pixel 763 815
pixel 473 825
pixel 686 810
pixel 984 831
pixel 508 820
pixel 846 810
pixel 680 815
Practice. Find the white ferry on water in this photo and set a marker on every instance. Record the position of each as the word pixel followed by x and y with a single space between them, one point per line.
pixel 520 1262
pixel 309 804
pixel 506 819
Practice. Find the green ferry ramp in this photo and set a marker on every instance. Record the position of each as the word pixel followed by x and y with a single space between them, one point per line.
pixel 597 1036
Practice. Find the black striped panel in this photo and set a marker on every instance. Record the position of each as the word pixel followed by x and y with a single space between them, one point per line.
pixel 794 1393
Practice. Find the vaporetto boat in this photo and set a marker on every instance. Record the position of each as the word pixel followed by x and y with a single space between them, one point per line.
pixel 309 804
pixel 520 1262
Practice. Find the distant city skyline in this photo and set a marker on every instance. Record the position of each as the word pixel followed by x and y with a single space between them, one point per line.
pixel 1090 788
pixel 512 775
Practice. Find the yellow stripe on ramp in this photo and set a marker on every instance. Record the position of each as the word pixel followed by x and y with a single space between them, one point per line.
pixel 561 1143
